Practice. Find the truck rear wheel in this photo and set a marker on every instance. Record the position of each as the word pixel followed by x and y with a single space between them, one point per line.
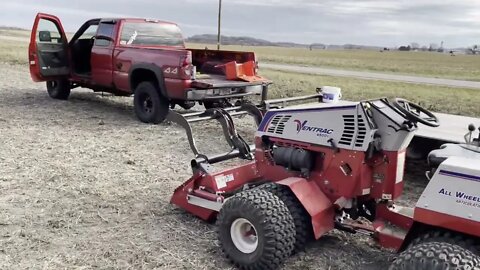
pixel 59 89
pixel 255 230
pixel 435 256
pixel 149 105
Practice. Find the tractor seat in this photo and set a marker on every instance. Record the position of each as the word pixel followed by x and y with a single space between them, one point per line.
pixel 436 157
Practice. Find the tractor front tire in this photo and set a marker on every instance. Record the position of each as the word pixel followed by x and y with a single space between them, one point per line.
pixel 435 256
pixel 256 230
pixel 59 89
pixel 149 104
pixel 301 218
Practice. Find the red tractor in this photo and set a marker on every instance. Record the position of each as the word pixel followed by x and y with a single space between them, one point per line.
pixel 318 167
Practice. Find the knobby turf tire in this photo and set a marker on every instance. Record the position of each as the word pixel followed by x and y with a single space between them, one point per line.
pixel 59 89
pixel 449 237
pixel 436 256
pixel 273 224
pixel 301 218
pixel 157 105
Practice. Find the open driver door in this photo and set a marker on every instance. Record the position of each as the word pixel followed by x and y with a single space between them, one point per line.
pixel 48 49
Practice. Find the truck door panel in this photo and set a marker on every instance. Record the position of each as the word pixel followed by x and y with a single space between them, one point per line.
pixel 121 69
pixel 48 49
pixel 102 54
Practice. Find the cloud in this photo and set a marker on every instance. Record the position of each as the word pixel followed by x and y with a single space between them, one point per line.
pixel 371 22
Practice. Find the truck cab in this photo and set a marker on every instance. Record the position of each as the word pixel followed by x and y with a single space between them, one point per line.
pixel 141 57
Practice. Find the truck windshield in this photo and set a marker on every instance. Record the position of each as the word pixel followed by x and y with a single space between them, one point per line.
pixel 151 34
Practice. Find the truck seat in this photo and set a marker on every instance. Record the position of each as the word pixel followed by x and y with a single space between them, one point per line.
pixel 437 156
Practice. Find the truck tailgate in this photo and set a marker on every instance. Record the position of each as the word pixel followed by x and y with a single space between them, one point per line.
pixel 219 81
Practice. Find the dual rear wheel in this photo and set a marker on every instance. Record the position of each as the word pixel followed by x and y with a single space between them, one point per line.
pixel 261 227
pixel 256 230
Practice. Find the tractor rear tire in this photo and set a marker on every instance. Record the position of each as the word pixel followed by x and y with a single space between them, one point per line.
pixel 435 256
pixel 149 105
pixel 448 237
pixel 59 89
pixel 301 218
pixel 256 230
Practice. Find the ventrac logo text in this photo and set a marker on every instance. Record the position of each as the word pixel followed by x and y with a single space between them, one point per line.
pixel 303 126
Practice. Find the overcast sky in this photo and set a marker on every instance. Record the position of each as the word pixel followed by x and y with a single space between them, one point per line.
pixel 368 22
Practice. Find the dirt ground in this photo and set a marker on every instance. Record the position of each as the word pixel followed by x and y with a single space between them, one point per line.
pixel 85 185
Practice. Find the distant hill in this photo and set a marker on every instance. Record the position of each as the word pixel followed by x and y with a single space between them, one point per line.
pixel 249 41
pixel 12 28
pixel 245 41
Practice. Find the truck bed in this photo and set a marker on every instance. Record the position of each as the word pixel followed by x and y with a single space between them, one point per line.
pixel 219 81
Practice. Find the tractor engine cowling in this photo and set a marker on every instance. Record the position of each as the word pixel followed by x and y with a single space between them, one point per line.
pixel 350 149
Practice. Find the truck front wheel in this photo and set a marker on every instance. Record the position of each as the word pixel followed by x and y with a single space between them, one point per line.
pixel 59 89
pixel 149 105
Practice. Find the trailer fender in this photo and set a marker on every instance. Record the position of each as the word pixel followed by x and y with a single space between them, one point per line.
pixel 315 202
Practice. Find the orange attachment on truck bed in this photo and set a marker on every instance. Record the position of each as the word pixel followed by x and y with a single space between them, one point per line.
pixel 244 71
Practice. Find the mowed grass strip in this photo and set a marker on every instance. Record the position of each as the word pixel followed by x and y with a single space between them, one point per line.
pixel 439 99
pixel 428 64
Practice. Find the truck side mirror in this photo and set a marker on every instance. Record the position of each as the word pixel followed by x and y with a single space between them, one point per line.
pixel 44 36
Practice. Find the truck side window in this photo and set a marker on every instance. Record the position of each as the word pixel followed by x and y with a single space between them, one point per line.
pixel 89 32
pixel 104 30
pixel 151 34
pixel 48 32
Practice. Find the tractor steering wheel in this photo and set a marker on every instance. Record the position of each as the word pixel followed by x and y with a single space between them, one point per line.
pixel 416 113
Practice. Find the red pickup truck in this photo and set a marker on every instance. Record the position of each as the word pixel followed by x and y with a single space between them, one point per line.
pixel 140 57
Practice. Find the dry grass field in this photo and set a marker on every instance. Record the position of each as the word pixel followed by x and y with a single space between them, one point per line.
pixel 14 52
pixel 440 99
pixel 85 185
pixel 464 67
pixel 440 65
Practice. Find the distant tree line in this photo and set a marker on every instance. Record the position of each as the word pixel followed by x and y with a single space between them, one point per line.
pixel 414 46
pixel 475 49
